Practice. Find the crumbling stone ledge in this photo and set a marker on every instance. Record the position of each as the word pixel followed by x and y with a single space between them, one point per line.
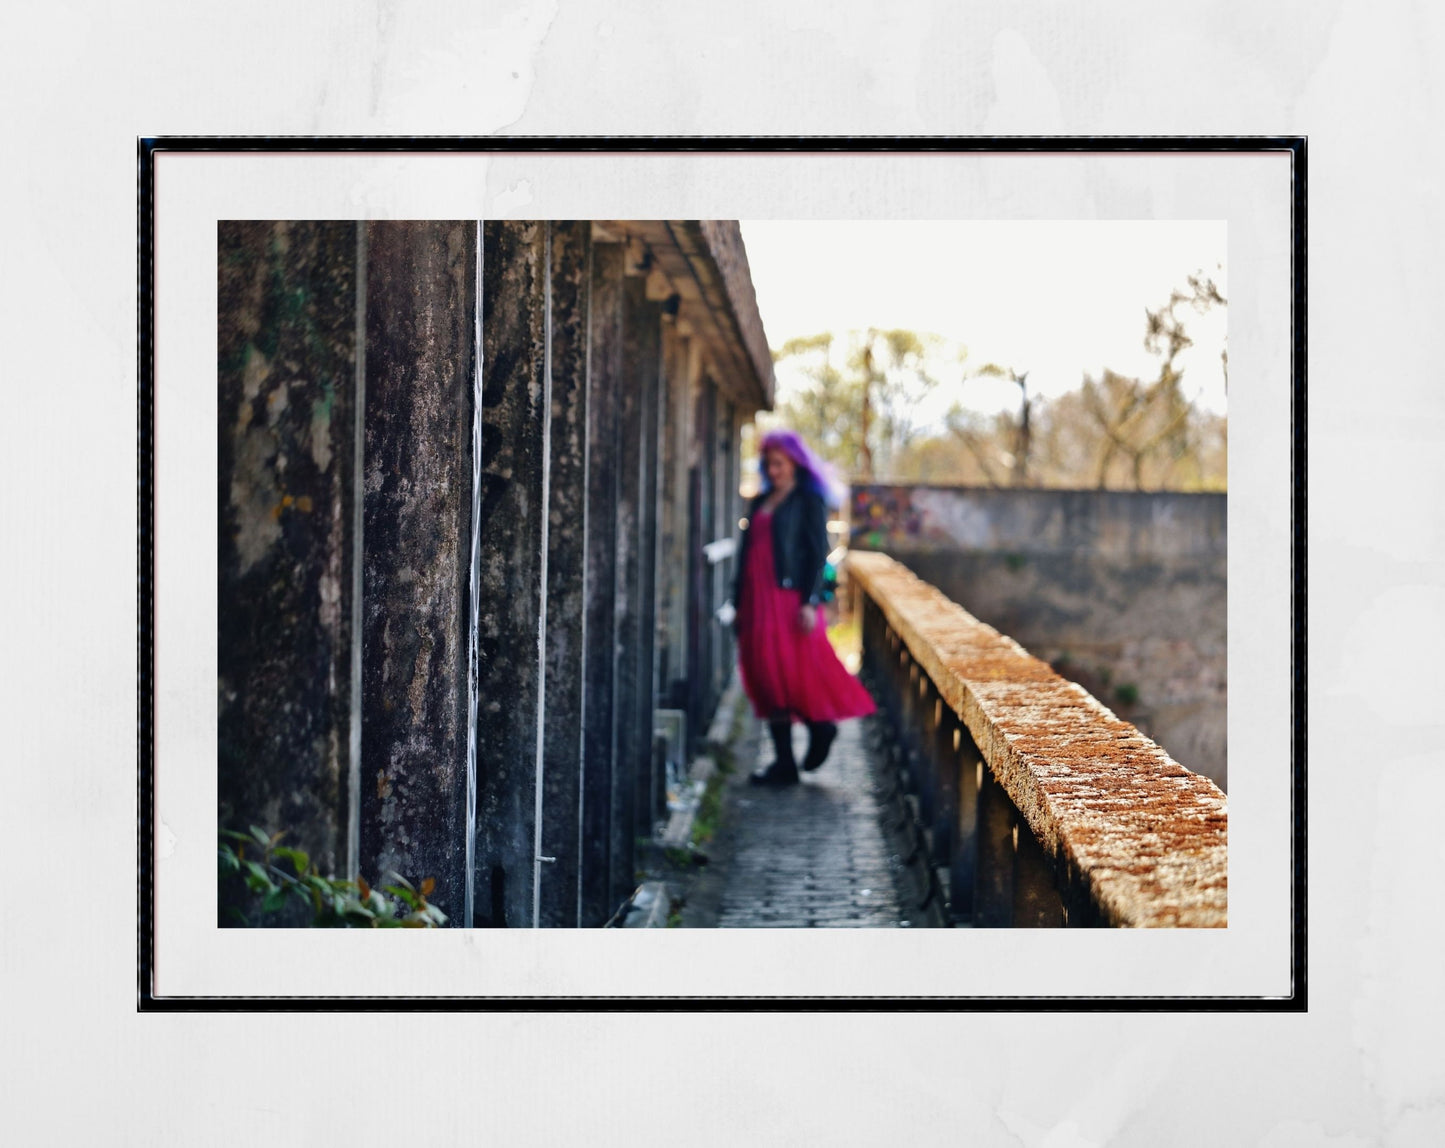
pixel 1145 836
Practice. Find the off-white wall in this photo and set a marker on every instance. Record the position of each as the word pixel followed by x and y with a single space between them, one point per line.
pixel 1363 1067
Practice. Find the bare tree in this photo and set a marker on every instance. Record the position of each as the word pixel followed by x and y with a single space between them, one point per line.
pixel 1140 421
pixel 1022 431
pixel 1112 432
pixel 858 415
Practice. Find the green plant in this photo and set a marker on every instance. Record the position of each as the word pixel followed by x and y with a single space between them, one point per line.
pixel 335 903
pixel 677 857
pixel 1127 694
pixel 709 810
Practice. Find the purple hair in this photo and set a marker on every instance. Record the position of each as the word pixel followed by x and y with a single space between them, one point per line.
pixel 813 473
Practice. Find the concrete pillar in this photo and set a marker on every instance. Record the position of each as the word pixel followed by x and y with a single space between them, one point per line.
pixel 678 358
pixel 910 726
pixel 513 493
pixel 943 751
pixel 993 896
pixel 1078 907
pixel 715 588
pixel 603 843
pixel 875 655
pixel 632 751
pixel 697 615
pixel 1037 903
pixel 420 332
pixel 963 871
pixel 727 527
pixel 569 256
pixel 666 529
pixel 288 389
pixel 654 543
pixel 642 372
pixel 925 710
pixel 707 517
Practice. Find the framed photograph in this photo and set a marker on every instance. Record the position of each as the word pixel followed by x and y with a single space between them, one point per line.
pixel 455 460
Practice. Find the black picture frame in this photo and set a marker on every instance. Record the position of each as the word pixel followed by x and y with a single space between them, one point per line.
pixel 149 148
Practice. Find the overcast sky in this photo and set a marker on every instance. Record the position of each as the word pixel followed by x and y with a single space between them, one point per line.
pixel 1054 298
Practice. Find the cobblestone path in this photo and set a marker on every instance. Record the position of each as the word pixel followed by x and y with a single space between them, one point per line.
pixel 814 854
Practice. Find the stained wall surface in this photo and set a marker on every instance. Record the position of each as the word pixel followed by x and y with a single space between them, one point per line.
pixel 462 464
pixel 288 394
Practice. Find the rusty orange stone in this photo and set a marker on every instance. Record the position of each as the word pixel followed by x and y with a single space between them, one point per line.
pixel 1147 836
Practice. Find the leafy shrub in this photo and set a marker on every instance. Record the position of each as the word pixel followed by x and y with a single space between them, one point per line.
pixel 334 903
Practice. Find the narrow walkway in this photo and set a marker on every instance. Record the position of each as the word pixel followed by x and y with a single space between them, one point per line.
pixel 816 854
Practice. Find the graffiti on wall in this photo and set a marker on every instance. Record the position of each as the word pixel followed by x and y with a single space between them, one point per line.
pixel 918 517
pixel 883 516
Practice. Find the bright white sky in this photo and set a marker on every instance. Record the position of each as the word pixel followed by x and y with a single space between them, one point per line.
pixel 1054 298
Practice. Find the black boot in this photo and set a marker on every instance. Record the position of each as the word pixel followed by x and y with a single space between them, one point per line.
pixel 820 741
pixel 784 770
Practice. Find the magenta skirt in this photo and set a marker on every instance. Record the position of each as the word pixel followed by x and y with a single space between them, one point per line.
pixel 785 669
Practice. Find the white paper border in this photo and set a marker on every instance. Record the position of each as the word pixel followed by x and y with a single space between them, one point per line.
pixel 1251 192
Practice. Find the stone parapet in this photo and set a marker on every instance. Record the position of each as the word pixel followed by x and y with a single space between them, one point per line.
pixel 1121 819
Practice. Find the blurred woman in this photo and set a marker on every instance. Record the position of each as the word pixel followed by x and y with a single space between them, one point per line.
pixel 789 670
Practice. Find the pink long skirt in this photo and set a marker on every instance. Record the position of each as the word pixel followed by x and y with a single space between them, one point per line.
pixel 786 669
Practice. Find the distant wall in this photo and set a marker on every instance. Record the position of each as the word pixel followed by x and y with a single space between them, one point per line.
pixel 1124 592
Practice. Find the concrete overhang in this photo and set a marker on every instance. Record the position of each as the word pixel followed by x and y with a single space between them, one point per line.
pixel 703 265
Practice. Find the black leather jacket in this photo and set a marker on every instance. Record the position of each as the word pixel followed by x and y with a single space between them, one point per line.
pixel 800 544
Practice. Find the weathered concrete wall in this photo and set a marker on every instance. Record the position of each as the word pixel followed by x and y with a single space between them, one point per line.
pixel 702 490
pixel 604 850
pixel 679 367
pixel 642 372
pixel 1110 522
pixel 725 465
pixel 569 249
pixel 514 399
pixel 629 748
pixel 420 364
pixel 646 323
pixel 287 414
pixel 368 445
pixel 1124 592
